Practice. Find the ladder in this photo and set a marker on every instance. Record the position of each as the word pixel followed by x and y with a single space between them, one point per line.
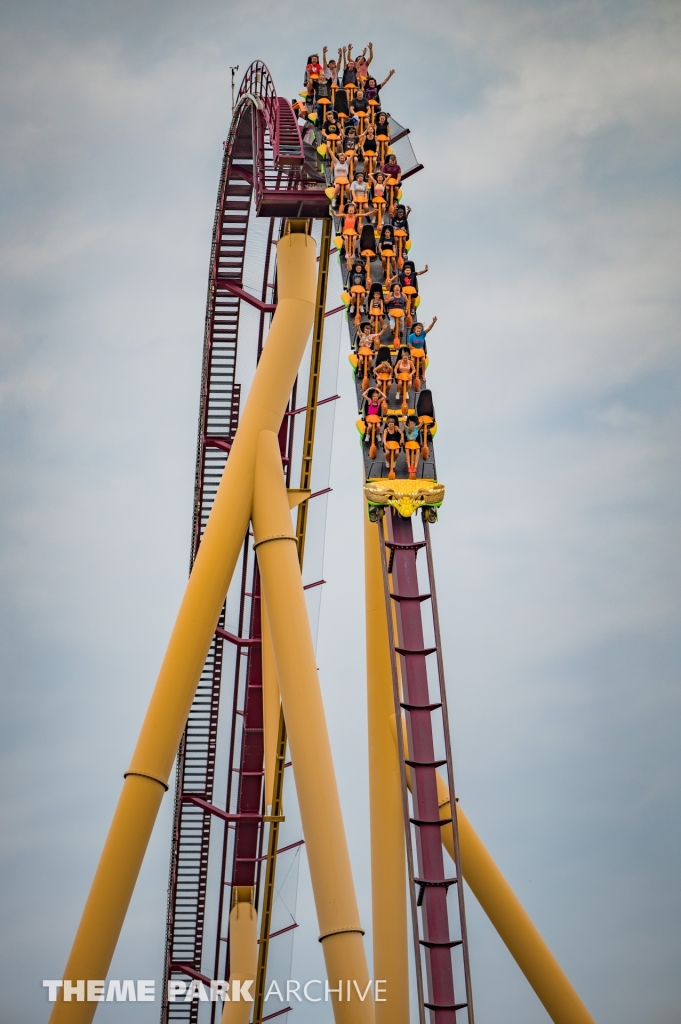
pixel 438 923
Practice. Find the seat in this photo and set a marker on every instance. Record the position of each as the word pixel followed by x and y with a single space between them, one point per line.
pixel 382 141
pixel 343 182
pixel 393 449
pixel 401 237
pixel 391 185
pixel 425 422
pixel 411 450
pixel 364 356
pixel 405 380
pixel 409 291
pixel 417 356
pixel 397 314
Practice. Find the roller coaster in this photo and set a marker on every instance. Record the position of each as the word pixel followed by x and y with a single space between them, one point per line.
pixel 311 235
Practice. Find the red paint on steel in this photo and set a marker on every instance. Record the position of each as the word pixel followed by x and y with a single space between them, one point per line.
pixel 416 701
pixel 263 172
pixel 249 798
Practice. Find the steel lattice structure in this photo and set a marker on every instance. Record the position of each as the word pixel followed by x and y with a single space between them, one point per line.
pixel 264 179
pixel 234 855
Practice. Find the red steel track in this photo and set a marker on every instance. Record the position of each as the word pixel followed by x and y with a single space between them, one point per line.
pixel 263 174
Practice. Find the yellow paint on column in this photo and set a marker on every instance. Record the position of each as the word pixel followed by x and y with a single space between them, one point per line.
pixel 388 860
pixel 116 875
pixel 507 914
pixel 325 842
pixel 243 956
pixel 512 922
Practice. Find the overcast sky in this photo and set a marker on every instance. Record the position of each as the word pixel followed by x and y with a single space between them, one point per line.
pixel 549 215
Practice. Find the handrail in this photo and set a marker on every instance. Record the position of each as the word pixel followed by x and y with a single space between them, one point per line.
pixel 282 125
pixel 284 185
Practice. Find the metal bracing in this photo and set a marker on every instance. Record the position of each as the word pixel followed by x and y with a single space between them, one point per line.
pixel 263 173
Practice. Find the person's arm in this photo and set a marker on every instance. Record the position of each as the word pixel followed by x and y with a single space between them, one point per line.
pixel 350 45
pixel 341 59
pixel 424 271
pixel 408 210
pixel 433 322
pixel 388 77
pixel 391 279
pixel 371 54
pixel 324 53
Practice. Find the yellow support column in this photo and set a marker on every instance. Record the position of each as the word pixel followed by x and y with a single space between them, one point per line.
pixel 147 778
pixel 507 914
pixel 388 867
pixel 320 810
pixel 243 955
pixel 522 939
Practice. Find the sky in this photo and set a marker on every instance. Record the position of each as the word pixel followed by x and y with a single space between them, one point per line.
pixel 548 212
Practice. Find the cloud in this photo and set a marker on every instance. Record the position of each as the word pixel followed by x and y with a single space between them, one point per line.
pixel 549 215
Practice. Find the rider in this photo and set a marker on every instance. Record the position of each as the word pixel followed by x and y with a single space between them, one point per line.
pixel 395 301
pixel 331 68
pixel 408 275
pixel 374 398
pixel 373 88
pixel 357 278
pixel 359 103
pixel 350 232
pixel 313 71
pixel 417 345
pixel 362 64
pixel 404 375
pixel 377 184
pixel 412 445
pixel 392 169
pixel 387 239
pixel 341 169
pixel 401 218
pixel 383 371
pixel 331 126
pixel 417 336
pixel 365 338
pixel 376 304
pixel 359 187
pixel 322 93
pixel 350 73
